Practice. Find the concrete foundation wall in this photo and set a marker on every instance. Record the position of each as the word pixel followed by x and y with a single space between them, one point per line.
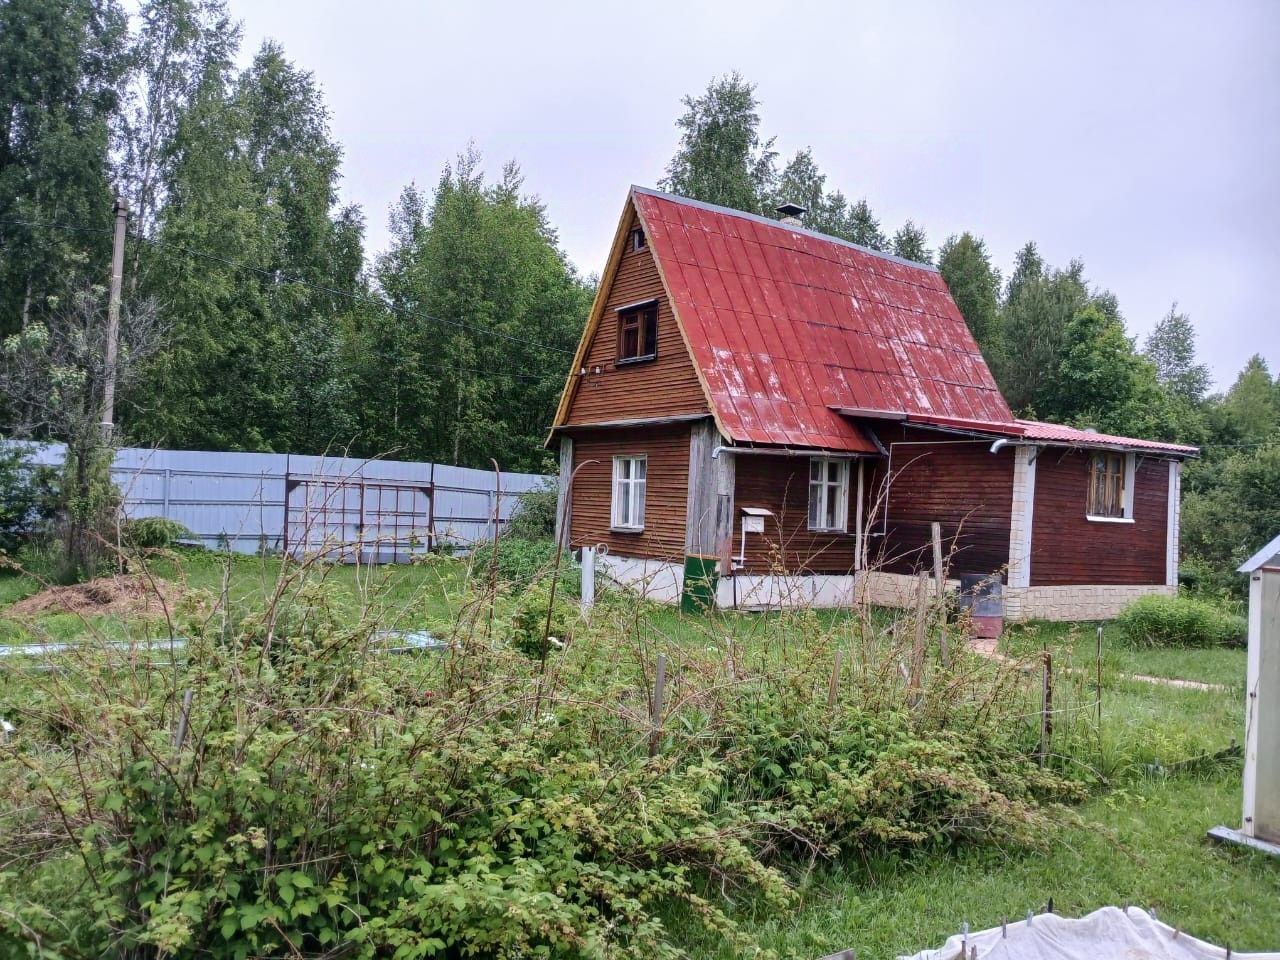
pixel 662 582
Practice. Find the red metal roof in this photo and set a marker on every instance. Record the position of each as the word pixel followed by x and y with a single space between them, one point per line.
pixel 1057 433
pixel 788 325
pixel 799 335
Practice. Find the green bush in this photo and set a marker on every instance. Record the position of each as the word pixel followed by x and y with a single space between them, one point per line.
pixel 1160 621
pixel 529 632
pixel 535 518
pixel 153 533
pixel 28 496
pixel 523 562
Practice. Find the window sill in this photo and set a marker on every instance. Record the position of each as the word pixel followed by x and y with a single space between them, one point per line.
pixel 631 361
pixel 843 530
pixel 626 529
pixel 1093 519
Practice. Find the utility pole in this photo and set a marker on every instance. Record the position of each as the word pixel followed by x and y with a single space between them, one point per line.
pixel 113 319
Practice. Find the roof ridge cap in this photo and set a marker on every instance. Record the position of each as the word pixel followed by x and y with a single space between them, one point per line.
pixel 769 222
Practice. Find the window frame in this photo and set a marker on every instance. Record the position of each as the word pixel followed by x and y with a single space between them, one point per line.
pixel 623 517
pixel 1123 474
pixel 646 325
pixel 638 241
pixel 825 485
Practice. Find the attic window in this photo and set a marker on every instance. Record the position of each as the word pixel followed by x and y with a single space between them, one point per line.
pixel 638 332
pixel 1110 486
pixel 637 239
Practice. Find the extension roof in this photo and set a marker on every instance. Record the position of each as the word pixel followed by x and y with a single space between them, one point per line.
pixel 803 340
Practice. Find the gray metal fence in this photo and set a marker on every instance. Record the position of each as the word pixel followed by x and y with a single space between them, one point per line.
pixel 240 501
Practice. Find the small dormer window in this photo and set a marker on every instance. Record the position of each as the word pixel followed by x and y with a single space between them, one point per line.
pixel 638 332
pixel 637 239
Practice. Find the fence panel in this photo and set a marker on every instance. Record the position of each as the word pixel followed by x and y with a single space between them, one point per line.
pixel 237 500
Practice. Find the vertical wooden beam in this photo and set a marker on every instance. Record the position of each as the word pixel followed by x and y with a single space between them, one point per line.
pixel 564 506
pixel 859 545
pixel 659 691
pixel 940 586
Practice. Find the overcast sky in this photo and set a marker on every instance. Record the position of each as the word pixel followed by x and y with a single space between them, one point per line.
pixel 1142 138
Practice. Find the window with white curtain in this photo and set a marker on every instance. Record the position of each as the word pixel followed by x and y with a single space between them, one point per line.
pixel 828 494
pixel 629 478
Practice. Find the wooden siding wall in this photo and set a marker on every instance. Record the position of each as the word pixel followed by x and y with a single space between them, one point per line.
pixel 781 484
pixel 666 493
pixel 662 387
pixel 1067 549
pixel 961 485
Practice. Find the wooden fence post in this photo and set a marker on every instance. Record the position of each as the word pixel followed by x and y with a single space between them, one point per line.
pixel 1046 708
pixel 833 688
pixel 588 578
pixel 922 624
pixel 942 594
pixel 659 688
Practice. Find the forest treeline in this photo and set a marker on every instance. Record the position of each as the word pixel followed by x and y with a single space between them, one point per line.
pixel 282 332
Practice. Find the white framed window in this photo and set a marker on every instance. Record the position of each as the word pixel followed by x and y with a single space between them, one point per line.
pixel 828 494
pixel 1110 487
pixel 630 474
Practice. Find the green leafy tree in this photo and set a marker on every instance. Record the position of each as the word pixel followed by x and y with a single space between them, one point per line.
pixel 483 312
pixel 1039 303
pixel 974 283
pixel 910 243
pixel 722 158
pixel 1171 346
pixel 63 65
pixel 863 228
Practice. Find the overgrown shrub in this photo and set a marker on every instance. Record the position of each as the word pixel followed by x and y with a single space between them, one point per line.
pixel 28 496
pixel 1160 621
pixel 287 790
pixel 529 625
pixel 535 518
pixel 153 533
pixel 522 562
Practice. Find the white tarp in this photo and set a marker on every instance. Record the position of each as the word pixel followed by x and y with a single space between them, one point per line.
pixel 1106 934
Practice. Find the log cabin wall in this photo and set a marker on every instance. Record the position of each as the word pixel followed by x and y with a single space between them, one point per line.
pixel 662 387
pixel 781 484
pixel 666 493
pixel 1067 548
pixel 945 478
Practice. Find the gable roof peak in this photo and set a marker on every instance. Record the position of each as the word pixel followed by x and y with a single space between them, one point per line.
pixel 780 225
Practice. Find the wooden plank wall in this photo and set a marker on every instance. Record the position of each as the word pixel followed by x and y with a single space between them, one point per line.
pixel 781 484
pixel 666 495
pixel 663 387
pixel 1067 548
pixel 944 478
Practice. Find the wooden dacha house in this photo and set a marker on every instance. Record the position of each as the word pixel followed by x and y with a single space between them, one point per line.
pixel 791 413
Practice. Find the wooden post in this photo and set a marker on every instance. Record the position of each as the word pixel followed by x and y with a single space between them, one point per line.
pixel 113 320
pixel 659 689
pixel 922 624
pixel 1046 708
pixel 942 593
pixel 833 688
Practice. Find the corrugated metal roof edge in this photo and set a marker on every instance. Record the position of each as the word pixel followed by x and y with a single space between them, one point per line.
pixel 768 222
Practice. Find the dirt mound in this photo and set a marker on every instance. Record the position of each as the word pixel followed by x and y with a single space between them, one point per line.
pixel 129 595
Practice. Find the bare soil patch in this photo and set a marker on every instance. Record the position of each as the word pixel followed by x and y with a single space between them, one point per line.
pixel 131 595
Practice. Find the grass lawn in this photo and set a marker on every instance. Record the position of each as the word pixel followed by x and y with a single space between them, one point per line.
pixel 1143 844
pixel 1075 645
pixel 1140 840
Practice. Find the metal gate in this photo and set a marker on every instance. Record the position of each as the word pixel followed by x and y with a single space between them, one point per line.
pixel 353 520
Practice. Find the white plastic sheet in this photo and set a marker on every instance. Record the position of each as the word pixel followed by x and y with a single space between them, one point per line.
pixel 1106 934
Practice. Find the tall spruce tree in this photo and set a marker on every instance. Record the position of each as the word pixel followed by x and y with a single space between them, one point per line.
pixel 63 67
pixel 910 243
